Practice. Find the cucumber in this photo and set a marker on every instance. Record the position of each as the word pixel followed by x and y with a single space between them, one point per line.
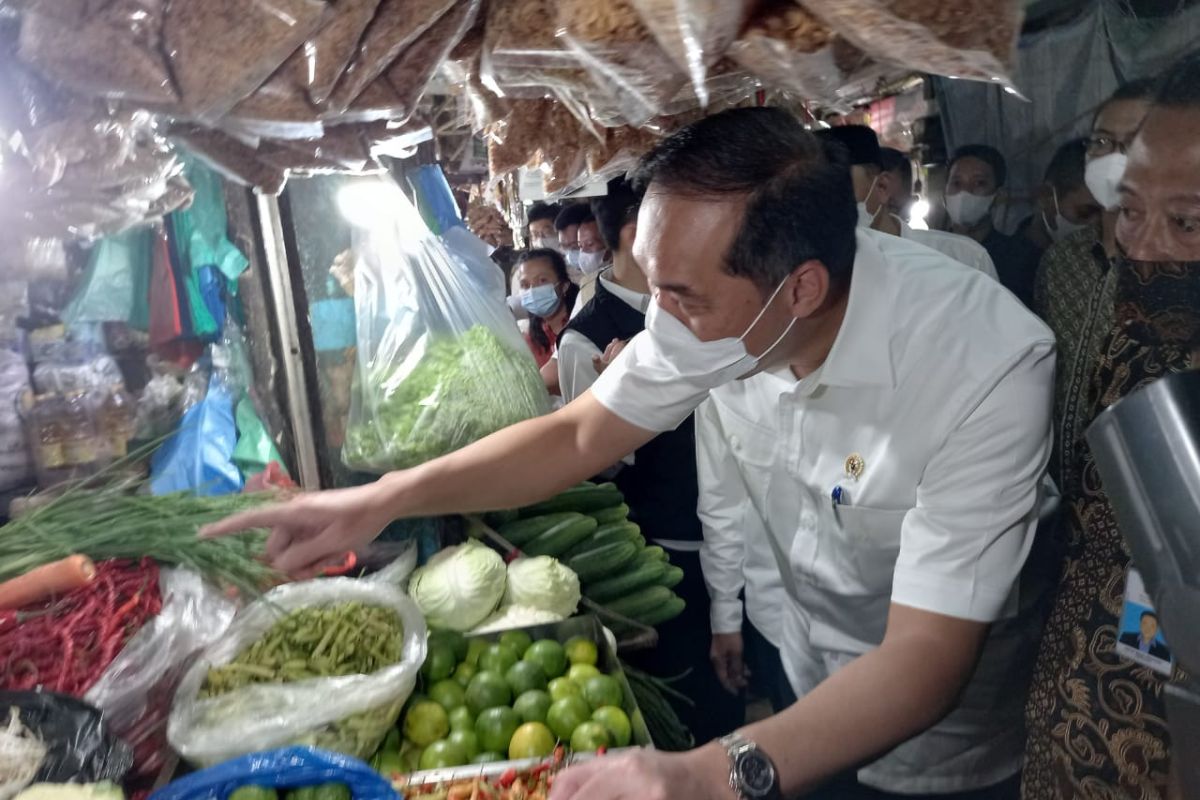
pixel 577 498
pixel 254 793
pixel 561 537
pixel 498 518
pixel 602 562
pixel 657 553
pixel 663 612
pixel 526 530
pixel 672 577
pixel 643 574
pixel 332 791
pixel 607 516
pixel 640 602
pixel 302 793
pixel 609 534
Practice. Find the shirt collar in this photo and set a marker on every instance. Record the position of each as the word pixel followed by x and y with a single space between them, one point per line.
pixel 635 300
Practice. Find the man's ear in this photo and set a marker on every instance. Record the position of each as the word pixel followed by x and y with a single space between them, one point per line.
pixel 627 235
pixel 810 288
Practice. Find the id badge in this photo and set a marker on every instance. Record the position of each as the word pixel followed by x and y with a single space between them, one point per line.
pixel 1139 635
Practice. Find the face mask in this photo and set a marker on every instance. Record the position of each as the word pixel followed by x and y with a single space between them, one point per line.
pixel 1156 300
pixel 1102 176
pixel 968 209
pixel 865 218
pixel 572 257
pixel 547 243
pixel 705 365
pixel 1063 227
pixel 540 301
pixel 590 262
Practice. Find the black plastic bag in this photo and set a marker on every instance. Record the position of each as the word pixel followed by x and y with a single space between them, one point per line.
pixel 79 748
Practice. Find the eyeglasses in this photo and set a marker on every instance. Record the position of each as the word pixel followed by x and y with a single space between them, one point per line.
pixel 1098 146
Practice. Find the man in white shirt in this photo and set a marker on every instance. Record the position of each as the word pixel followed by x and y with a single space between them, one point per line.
pixel 924 396
pixel 877 190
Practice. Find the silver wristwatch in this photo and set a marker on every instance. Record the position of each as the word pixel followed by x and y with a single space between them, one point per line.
pixel 752 775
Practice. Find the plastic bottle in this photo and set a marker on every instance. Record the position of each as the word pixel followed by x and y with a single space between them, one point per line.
pixel 81 444
pixel 115 421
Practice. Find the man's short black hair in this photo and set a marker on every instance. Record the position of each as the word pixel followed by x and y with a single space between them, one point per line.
pixel 860 141
pixel 1179 86
pixel 988 155
pixel 1140 89
pixel 614 211
pixel 800 203
pixel 893 160
pixel 540 211
pixel 1148 613
pixel 573 214
pixel 1066 167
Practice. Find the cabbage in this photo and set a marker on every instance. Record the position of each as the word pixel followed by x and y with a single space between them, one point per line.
pixel 517 617
pixel 542 583
pixel 459 586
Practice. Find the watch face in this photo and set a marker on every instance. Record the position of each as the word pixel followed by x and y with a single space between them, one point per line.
pixel 756 774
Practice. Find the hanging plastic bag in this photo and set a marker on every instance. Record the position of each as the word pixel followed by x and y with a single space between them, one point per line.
pixel 410 74
pixel 80 748
pixel 116 270
pixel 135 692
pixel 325 56
pixel 255 449
pixel 16 463
pixel 289 768
pixel 350 714
pixel 166 317
pixel 438 365
pixel 203 228
pixel 199 457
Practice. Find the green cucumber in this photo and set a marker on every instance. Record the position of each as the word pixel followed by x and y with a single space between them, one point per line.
pixel 526 530
pixel 672 577
pixel 663 612
pixel 498 518
pixel 332 791
pixel 561 537
pixel 603 561
pixel 609 534
pixel 640 602
pixel 606 516
pixel 577 498
pixel 254 793
pixel 643 574
pixel 657 553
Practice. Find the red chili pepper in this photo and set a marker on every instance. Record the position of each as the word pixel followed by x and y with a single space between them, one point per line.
pixel 508 778
pixel 601 750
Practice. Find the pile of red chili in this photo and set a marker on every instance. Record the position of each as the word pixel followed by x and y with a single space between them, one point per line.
pixel 66 644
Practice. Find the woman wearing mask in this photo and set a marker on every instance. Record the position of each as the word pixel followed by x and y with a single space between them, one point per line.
pixel 548 296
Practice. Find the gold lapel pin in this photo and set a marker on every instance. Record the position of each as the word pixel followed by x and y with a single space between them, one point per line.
pixel 855 465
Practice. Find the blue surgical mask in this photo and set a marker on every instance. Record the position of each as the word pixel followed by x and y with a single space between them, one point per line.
pixel 572 257
pixel 541 301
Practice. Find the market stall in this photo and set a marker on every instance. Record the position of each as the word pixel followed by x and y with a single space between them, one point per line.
pixel 238 263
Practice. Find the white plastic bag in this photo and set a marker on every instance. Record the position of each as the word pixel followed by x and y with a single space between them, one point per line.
pixel 16 464
pixel 439 363
pixel 268 715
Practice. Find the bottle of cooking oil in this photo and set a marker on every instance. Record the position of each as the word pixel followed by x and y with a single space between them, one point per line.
pixel 115 419
pixel 81 444
pixel 49 434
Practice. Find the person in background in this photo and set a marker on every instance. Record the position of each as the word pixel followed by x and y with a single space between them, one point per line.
pixel 548 296
pixel 567 225
pixel 977 174
pixel 1064 204
pixel 594 256
pixel 899 167
pixel 1096 720
pixel 878 190
pixel 659 478
pixel 542 234
pixel 1074 288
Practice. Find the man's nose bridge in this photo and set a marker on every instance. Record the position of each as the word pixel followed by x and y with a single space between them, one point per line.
pixel 1148 239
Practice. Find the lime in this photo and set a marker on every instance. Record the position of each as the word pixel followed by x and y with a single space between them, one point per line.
pixel 439 664
pixel 461 719
pixel 519 641
pixel 566 715
pixel 525 676
pixel 532 706
pixel 495 727
pixel 441 754
pixel 488 758
pixel 581 672
pixel 531 740
pixel 616 722
pixel 549 655
pixel 448 694
pixel 475 648
pixel 487 690
pixel 582 651
pixel 588 737
pixel 465 740
pixel 564 687
pixel 463 674
pixel 497 658
pixel 425 723
pixel 452 639
pixel 602 690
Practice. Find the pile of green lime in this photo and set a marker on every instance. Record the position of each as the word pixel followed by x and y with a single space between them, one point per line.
pixel 513 698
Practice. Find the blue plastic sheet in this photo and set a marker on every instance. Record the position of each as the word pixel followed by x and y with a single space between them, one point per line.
pixel 288 768
pixel 332 321
pixel 434 199
pixel 199 457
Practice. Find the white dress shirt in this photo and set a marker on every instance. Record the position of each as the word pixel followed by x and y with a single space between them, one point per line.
pixel 575 352
pixel 940 381
pixel 963 249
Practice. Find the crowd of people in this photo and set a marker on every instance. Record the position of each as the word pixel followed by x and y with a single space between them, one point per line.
pixel 864 443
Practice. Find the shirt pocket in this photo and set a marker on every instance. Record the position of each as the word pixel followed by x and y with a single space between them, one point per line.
pixel 871 538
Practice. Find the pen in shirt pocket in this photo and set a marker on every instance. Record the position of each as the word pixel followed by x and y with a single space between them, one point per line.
pixel 839 496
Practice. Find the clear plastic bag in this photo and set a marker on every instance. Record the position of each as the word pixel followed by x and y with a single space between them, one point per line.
pixel 695 33
pixel 410 74
pixel 438 364
pixel 16 462
pixel 267 715
pixel 973 39
pixel 233 159
pixel 790 49
pixel 321 61
pixel 135 692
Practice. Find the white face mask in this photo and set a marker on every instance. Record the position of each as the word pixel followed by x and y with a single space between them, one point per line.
pixel 1063 227
pixel 1102 175
pixel 572 258
pixel 865 218
pixel 968 209
pixel 705 365
pixel 590 262
pixel 548 243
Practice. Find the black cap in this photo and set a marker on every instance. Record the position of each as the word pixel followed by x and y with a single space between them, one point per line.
pixel 860 142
